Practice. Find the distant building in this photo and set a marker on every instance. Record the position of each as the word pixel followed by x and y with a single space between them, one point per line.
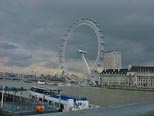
pixel 114 77
pixel 112 60
pixel 141 76
pixel 138 76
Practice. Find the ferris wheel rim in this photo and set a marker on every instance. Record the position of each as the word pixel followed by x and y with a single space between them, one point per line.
pixel 99 34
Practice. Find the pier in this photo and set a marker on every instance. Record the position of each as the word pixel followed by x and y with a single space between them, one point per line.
pixel 18 105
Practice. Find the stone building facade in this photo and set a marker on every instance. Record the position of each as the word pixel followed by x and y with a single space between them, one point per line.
pixel 139 76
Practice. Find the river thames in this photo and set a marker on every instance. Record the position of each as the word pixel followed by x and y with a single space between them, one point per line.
pixel 98 96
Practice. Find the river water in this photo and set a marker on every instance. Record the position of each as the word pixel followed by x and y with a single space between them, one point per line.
pixel 98 96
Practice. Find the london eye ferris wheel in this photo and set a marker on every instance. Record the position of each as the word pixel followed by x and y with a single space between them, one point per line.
pixel 100 42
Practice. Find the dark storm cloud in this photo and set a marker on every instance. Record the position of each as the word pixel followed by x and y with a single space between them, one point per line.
pixel 13 55
pixel 39 25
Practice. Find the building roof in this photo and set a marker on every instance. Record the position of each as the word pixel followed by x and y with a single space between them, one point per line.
pixel 141 69
pixel 114 71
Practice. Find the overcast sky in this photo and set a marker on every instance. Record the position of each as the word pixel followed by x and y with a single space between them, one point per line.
pixel 31 31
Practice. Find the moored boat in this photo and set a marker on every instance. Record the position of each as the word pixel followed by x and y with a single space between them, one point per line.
pixel 66 103
pixel 41 82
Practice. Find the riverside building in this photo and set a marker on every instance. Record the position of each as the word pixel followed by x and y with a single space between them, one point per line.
pixel 141 76
pixel 138 76
pixel 114 77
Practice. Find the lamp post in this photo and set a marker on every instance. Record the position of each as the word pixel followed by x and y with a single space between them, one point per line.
pixel 2 100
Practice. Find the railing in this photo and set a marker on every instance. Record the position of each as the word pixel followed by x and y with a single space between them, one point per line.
pixel 18 104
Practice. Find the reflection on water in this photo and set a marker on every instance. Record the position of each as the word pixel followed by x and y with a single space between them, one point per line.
pixel 98 96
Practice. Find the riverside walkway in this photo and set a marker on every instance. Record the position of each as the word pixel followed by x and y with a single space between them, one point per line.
pixel 135 109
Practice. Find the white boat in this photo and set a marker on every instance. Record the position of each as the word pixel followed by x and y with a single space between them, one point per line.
pixel 66 103
pixel 41 82
pixel 68 84
pixel 60 84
